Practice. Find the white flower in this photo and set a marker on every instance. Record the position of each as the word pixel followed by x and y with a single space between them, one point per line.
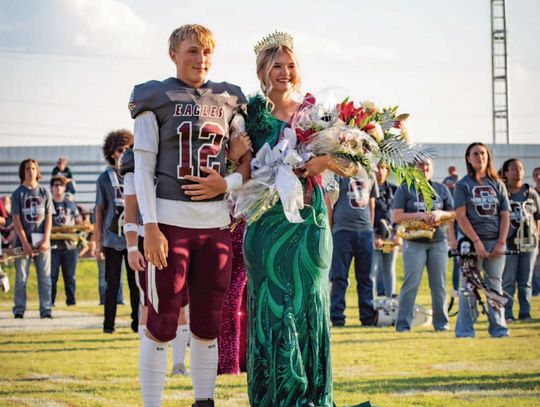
pixel 376 132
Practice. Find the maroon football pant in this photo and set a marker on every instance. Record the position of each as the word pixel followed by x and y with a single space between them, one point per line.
pixel 201 259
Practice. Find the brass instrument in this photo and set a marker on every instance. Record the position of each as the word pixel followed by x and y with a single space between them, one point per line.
pixel 86 227
pixel 76 234
pixel 419 229
pixel 14 253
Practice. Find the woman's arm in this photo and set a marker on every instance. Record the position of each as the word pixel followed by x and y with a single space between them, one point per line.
pixel 399 215
pixel 504 226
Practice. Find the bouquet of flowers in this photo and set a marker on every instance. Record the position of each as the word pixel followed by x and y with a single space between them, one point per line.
pixel 356 136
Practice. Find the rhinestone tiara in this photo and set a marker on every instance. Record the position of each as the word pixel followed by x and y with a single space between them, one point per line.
pixel 274 40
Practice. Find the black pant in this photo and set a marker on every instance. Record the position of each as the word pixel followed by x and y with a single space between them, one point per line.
pixel 113 270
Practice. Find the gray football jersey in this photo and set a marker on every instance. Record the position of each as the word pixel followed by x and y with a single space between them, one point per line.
pixel 193 129
pixel 484 203
pixel 407 199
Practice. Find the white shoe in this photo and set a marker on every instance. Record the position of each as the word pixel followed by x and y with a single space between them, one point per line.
pixel 179 368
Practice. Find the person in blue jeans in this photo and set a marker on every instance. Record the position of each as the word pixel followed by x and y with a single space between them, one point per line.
pixel 424 252
pixel 523 237
pixel 352 231
pixel 482 212
pixel 64 253
pixel 536 270
pixel 384 257
pixel 32 211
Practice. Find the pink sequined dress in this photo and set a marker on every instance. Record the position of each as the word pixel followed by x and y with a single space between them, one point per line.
pixel 232 340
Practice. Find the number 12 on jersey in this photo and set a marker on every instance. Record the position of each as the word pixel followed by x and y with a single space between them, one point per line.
pixel 200 151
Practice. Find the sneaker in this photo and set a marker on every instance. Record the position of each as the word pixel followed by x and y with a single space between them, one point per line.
pixel 179 369
pixel 48 316
pixel 203 403
pixel 108 330
pixel 510 320
pixel 526 318
pixel 19 316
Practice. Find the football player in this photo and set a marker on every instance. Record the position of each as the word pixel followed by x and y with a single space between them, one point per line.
pixel 182 129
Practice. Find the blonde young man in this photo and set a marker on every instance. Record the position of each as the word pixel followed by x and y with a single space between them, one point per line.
pixel 182 127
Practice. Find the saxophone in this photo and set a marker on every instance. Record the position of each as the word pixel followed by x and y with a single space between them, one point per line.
pixel 76 234
pixel 419 229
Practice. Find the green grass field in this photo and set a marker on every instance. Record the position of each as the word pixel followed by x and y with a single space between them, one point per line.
pixel 422 368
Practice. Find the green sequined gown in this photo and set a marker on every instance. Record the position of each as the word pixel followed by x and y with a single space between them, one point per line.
pixel 288 354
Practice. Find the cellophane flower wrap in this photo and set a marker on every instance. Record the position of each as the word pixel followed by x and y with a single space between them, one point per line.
pixel 356 136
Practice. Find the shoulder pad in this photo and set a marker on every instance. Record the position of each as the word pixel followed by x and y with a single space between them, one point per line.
pixel 127 162
pixel 145 97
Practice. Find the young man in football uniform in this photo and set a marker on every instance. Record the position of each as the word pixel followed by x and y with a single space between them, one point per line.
pixel 182 128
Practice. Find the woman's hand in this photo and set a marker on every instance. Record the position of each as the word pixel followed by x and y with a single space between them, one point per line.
pixel 316 166
pixel 498 250
pixel 238 146
pixel 433 217
pixel 480 250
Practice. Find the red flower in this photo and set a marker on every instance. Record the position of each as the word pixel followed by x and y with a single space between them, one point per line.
pixel 355 116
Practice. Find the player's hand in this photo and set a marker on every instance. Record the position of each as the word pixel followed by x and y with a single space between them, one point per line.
pixel 207 187
pixel 136 261
pixel 238 146
pixel 480 250
pixel 398 241
pixel 498 250
pixel 316 166
pixel 156 247
pixel 452 245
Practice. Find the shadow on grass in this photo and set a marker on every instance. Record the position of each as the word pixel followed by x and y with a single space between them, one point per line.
pixel 98 339
pixel 81 349
pixel 446 383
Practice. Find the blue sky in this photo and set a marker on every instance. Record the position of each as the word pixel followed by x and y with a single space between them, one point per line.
pixel 67 67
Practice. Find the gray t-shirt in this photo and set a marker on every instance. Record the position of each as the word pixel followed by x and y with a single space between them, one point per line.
pixel 407 199
pixel 32 205
pixel 66 212
pixel 484 204
pixel 352 210
pixel 112 201
pixel 526 202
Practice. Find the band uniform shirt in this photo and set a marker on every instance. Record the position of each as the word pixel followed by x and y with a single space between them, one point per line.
pixel 106 195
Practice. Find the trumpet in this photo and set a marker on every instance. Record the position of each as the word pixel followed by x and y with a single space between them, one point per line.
pixel 86 227
pixel 419 229
pixel 76 234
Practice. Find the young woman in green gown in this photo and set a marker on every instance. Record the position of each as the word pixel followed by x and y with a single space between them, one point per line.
pixel 288 355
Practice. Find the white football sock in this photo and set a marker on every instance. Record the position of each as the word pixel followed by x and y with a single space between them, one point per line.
pixel 152 370
pixel 179 344
pixel 203 366
pixel 141 331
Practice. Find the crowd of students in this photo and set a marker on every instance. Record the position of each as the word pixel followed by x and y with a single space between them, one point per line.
pixel 158 214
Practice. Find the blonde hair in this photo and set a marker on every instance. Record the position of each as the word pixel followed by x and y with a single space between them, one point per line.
pixel 265 61
pixel 196 32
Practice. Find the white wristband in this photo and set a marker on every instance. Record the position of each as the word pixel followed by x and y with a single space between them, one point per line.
pixel 132 249
pixel 234 181
pixel 131 227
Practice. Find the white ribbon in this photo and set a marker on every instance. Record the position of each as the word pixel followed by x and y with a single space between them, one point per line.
pixel 274 167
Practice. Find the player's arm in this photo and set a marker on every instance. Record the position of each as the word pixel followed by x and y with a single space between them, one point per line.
pixel 131 229
pixel 146 146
